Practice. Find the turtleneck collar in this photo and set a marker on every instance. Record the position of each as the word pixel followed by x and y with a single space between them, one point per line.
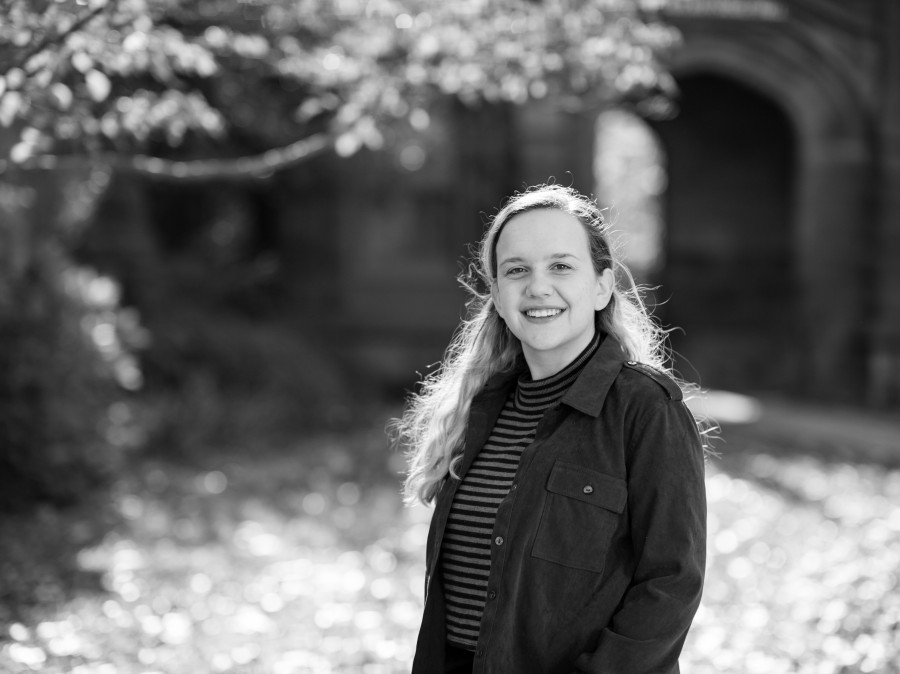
pixel 534 394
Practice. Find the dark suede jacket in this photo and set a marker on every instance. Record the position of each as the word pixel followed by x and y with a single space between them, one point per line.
pixel 599 548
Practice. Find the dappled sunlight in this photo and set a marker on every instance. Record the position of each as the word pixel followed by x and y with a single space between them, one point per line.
pixel 802 570
pixel 208 570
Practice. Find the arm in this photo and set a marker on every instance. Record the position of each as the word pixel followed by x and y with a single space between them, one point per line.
pixel 667 505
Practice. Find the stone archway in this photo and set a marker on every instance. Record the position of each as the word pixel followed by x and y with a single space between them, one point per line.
pixel 817 334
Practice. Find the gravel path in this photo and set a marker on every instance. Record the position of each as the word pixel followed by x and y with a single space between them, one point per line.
pixel 305 562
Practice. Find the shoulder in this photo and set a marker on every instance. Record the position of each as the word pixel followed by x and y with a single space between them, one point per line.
pixel 648 380
pixel 655 414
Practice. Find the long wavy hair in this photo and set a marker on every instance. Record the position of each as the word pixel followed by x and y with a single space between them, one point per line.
pixel 432 427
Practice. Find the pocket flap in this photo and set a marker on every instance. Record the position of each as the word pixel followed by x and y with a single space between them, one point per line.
pixel 590 486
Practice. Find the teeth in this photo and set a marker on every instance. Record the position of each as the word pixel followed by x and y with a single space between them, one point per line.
pixel 543 313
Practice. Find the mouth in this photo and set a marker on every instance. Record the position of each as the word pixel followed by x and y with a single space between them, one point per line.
pixel 543 313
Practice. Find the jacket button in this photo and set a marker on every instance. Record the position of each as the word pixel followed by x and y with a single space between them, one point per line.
pixel 588 489
pixel 480 652
pixel 514 486
pixel 492 595
pixel 499 540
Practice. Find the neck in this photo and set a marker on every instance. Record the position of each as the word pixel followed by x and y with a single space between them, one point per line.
pixel 542 365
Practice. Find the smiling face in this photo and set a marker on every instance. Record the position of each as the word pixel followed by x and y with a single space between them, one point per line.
pixel 546 289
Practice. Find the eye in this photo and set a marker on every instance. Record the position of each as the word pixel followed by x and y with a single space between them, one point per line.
pixel 514 271
pixel 560 266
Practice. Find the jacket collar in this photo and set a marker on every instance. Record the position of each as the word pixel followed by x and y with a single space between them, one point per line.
pixel 588 392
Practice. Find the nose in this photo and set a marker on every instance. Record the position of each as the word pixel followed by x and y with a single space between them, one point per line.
pixel 538 286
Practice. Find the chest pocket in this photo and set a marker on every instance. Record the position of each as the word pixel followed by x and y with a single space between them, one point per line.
pixel 580 514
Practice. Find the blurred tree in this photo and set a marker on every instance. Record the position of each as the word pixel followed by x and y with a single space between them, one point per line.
pixel 66 348
pixel 217 89
pixel 115 79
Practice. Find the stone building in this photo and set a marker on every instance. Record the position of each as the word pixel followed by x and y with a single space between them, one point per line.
pixel 780 227
pixel 783 209
pixel 781 234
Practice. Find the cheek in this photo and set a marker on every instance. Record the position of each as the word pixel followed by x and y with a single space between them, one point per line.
pixel 585 296
pixel 507 305
pixel 497 296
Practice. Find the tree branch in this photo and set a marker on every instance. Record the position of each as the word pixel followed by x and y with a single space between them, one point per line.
pixel 58 38
pixel 197 170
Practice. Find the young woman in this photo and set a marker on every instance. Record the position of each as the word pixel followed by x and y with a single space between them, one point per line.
pixel 566 473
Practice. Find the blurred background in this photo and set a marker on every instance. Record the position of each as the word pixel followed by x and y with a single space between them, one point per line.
pixel 230 232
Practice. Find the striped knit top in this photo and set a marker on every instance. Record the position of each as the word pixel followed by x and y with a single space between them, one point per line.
pixel 466 548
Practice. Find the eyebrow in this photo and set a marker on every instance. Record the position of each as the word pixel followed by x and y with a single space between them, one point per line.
pixel 555 256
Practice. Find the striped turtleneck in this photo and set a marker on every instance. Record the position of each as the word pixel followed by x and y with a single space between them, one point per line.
pixel 466 548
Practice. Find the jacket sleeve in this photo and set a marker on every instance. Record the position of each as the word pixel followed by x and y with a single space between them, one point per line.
pixel 667 505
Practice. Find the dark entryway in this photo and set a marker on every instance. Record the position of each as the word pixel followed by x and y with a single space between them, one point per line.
pixel 728 279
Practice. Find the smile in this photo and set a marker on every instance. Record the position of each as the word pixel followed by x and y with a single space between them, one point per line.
pixel 542 313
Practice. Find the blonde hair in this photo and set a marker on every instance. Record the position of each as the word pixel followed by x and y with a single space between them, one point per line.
pixel 432 427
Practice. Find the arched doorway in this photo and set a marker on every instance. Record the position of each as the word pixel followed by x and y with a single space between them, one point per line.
pixel 729 279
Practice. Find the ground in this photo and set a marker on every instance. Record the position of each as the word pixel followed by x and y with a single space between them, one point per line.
pixel 303 560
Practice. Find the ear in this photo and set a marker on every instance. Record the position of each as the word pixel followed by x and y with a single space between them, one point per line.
pixel 606 283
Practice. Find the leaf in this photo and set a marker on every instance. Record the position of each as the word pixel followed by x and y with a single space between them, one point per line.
pixel 22 38
pixel 20 152
pixel 82 62
pixel 11 104
pixel 62 95
pixel 15 78
pixel 347 144
pixel 98 85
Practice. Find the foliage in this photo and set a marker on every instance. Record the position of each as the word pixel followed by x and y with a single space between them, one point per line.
pixel 66 348
pixel 131 75
pixel 238 382
pixel 61 422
